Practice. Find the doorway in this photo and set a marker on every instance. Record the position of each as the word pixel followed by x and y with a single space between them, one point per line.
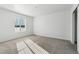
pixel 75 27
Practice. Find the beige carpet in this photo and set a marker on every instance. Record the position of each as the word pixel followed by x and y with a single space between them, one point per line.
pixel 52 45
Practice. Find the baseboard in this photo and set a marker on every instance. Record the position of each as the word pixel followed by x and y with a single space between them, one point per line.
pixel 15 38
pixel 52 37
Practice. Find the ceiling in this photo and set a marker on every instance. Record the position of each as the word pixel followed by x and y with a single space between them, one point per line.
pixel 37 9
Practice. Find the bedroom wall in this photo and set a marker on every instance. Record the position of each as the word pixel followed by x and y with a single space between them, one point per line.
pixel 55 25
pixel 7 23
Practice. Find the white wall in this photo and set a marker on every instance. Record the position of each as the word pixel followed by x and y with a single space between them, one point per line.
pixel 55 25
pixel 7 23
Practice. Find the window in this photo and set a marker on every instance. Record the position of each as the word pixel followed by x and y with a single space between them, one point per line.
pixel 20 24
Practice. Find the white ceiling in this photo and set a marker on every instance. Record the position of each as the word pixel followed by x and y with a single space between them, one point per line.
pixel 37 9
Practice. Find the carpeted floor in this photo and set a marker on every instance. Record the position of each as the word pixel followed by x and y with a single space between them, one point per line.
pixel 52 45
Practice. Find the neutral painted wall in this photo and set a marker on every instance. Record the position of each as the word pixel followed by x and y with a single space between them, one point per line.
pixel 55 25
pixel 7 23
